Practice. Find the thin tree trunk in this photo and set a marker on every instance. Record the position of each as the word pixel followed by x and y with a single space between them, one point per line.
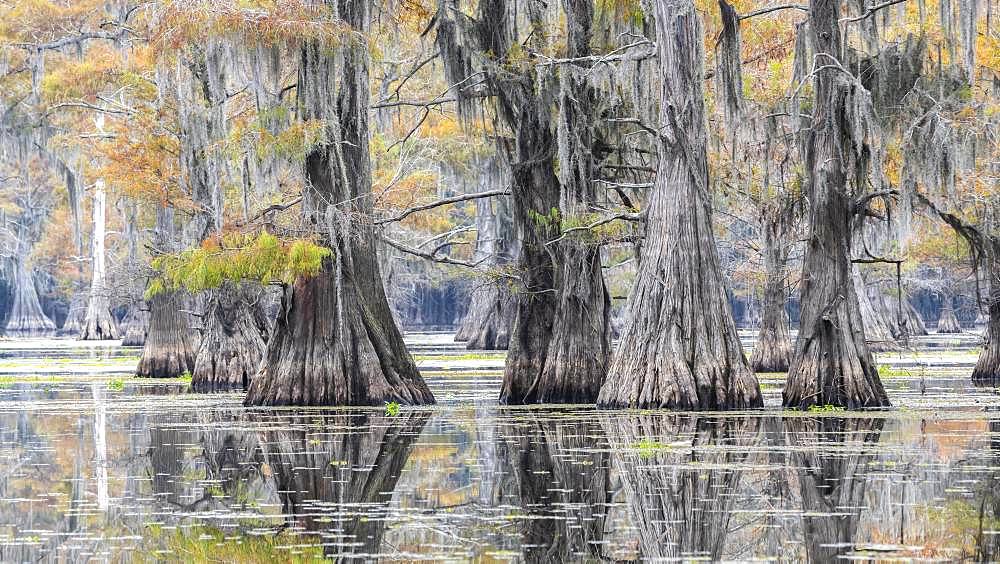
pixel 335 341
pixel 98 323
pixel 680 348
pixel 832 364
pixel 773 350
pixel 233 341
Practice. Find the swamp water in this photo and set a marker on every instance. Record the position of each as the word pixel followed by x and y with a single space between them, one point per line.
pixel 97 465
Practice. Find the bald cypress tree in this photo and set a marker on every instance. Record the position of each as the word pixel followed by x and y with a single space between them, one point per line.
pixel 832 364
pixel 335 341
pixel 680 348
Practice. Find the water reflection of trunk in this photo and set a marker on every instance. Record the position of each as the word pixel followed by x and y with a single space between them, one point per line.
pixel 166 464
pixel 339 484
pixel 680 475
pixel 831 456
pixel 100 445
pixel 555 471
pixel 987 536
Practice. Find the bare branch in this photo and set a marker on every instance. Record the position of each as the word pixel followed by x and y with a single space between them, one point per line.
pixel 443 202
pixel 429 256
pixel 770 9
pixel 871 10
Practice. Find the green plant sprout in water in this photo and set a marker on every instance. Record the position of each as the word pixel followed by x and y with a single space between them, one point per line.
pixel 116 385
pixel 392 408
pixel 186 376
pixel 648 447
pixel 825 408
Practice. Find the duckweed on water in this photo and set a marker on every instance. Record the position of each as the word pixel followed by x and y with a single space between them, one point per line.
pixel 469 480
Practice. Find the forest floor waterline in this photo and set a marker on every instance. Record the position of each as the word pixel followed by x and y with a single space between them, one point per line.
pixel 97 464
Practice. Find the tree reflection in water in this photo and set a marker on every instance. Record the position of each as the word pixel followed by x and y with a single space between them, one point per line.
pixel 831 456
pixel 681 476
pixel 336 474
pixel 555 471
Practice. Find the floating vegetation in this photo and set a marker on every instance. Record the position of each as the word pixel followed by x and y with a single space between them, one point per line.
pixel 197 477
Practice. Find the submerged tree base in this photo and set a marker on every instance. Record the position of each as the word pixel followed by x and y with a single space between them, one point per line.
pixel 233 344
pixel 167 352
pixel 329 348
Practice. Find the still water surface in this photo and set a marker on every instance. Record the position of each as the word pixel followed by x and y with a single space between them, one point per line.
pixel 125 470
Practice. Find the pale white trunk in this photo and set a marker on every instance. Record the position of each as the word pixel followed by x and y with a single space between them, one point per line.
pixel 99 324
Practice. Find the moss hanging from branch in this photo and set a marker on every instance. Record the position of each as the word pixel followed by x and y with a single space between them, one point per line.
pixel 728 67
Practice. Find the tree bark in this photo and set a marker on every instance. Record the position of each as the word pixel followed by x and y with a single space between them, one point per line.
pixel 233 340
pixel 987 367
pixel 948 321
pixel 135 326
pixel 878 333
pixel 490 317
pixel 73 324
pixel 832 364
pixel 680 348
pixel 26 318
pixel 98 323
pixel 335 341
pixel 773 350
pixel 167 351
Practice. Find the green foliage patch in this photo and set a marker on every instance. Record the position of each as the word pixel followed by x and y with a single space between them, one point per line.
pixel 264 258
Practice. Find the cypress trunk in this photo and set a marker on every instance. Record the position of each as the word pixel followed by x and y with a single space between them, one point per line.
pixel 490 317
pixel 878 332
pixel 832 364
pixel 98 323
pixel 773 350
pixel 680 348
pixel 560 344
pixel 26 318
pixel 988 365
pixel 73 324
pixel 488 323
pixel 232 342
pixel 135 326
pixel 167 352
pixel 335 341
pixel 948 321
